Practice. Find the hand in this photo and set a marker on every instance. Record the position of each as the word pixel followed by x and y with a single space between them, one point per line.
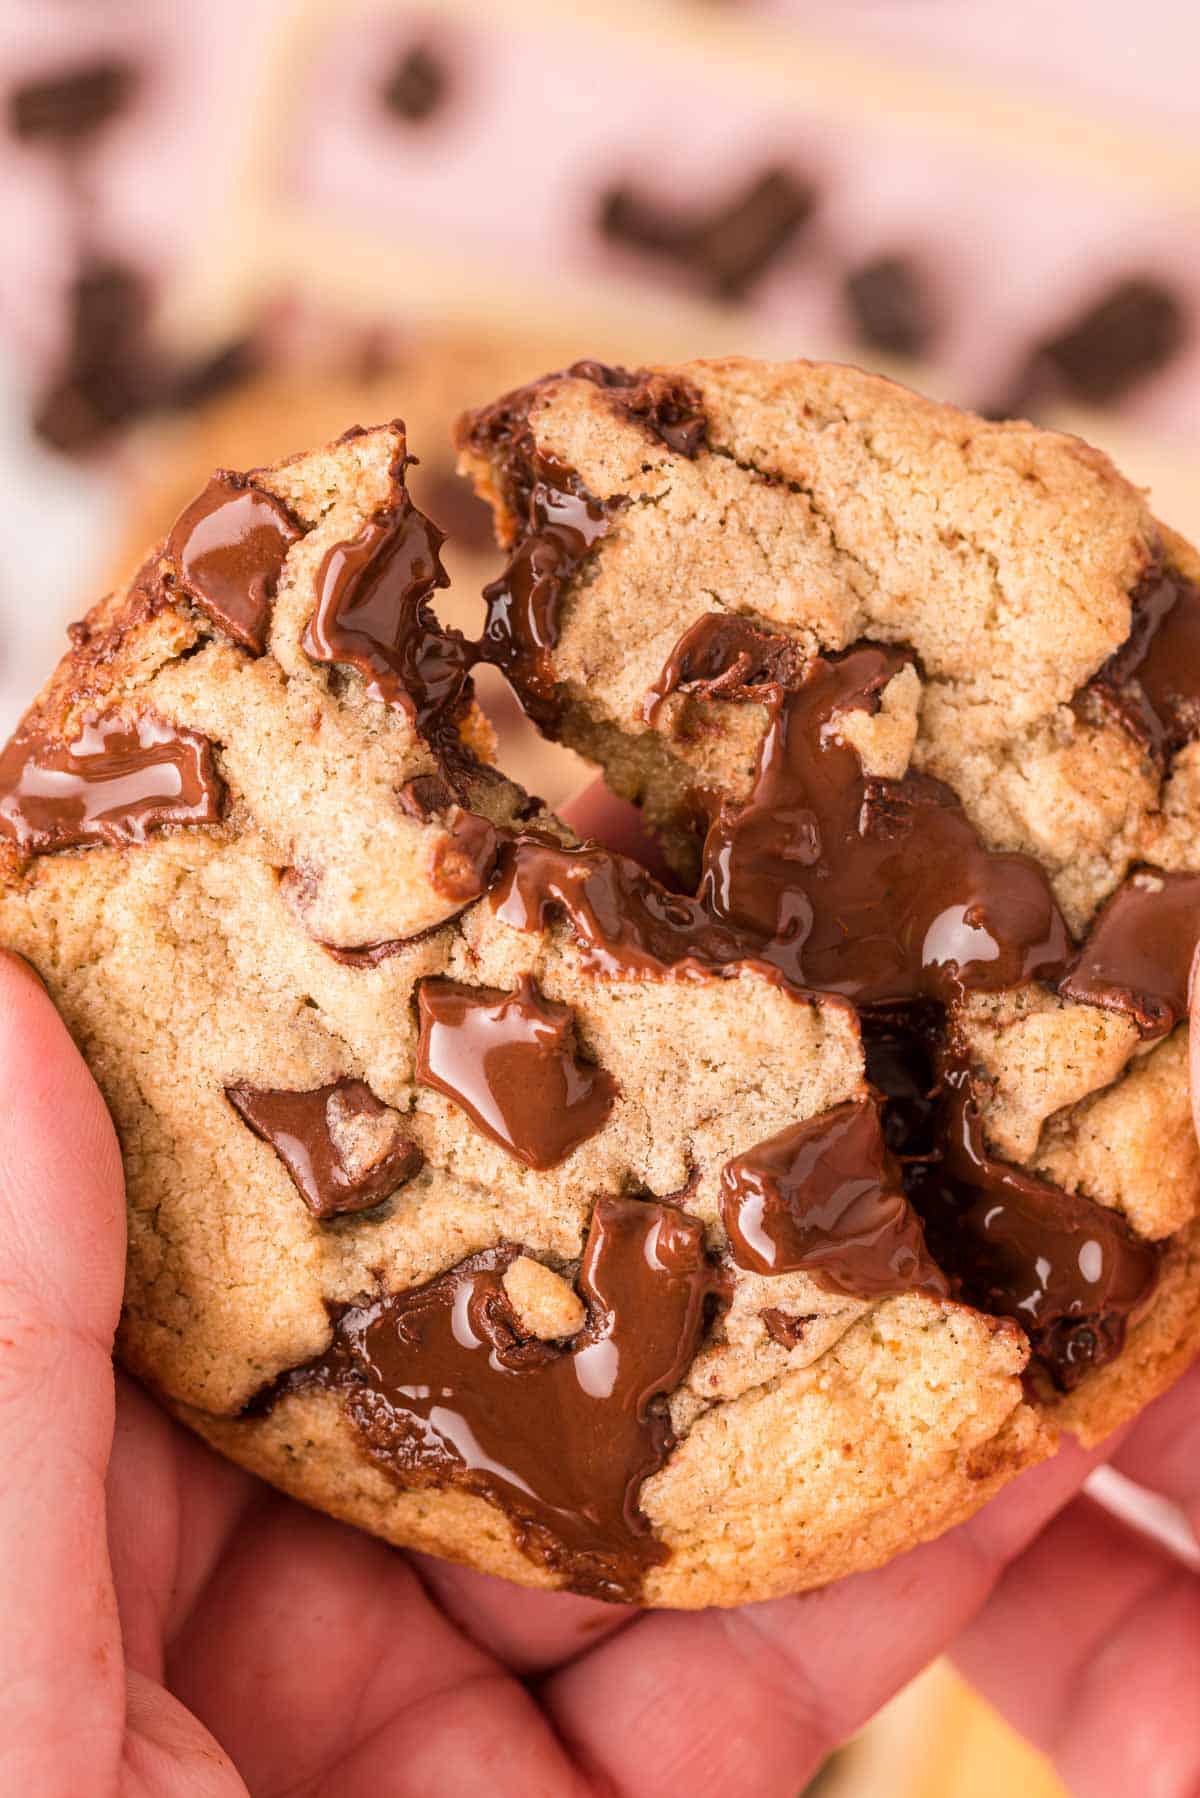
pixel 1090 1643
pixel 174 1627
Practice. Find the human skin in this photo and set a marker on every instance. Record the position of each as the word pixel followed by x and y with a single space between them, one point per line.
pixel 172 1626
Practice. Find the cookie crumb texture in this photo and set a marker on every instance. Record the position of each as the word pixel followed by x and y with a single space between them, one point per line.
pixel 679 1247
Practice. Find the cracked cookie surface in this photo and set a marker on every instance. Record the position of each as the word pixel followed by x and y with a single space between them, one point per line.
pixel 468 1169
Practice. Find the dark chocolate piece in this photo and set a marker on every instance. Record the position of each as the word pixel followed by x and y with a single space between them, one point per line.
pixel 510 1061
pixel 889 307
pixel 463 859
pixel 1138 954
pixel 372 613
pixel 444 1388
pixel 417 86
pixel 825 1198
pixel 725 655
pixel 877 889
pixel 120 779
pixel 783 1328
pixel 73 104
pixel 1153 681
pixel 561 525
pixel 1131 332
pixel 670 409
pixel 1069 1271
pixel 727 248
pixel 314 1132
pixel 228 548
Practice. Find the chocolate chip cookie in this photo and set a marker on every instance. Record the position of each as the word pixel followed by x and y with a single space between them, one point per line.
pixel 679 1246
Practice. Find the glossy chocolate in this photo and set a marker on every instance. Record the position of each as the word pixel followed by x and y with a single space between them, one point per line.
pixel 560 525
pixel 825 1198
pixel 510 1061
pixel 120 779
pixel 444 1388
pixel 1069 1271
pixel 1138 954
pixel 372 614
pixel 228 548
pixel 1153 680
pixel 876 889
pixel 309 1132
pixel 464 857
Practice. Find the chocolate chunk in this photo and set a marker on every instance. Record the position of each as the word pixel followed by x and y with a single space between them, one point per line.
pixel 725 657
pixel 1138 954
pixel 671 410
pixel 464 858
pixel 1068 1271
pixel 825 1198
pixel 417 86
pixel 194 383
pixel 784 1329
pixel 803 863
pixel 510 1061
pixel 424 796
pixel 73 104
pixel 228 548
pixel 443 1388
pixel 889 306
pixel 727 248
pixel 562 525
pixel 342 1147
pixel 1131 332
pixel 107 376
pixel 120 779
pixel 1152 682
pixel 372 614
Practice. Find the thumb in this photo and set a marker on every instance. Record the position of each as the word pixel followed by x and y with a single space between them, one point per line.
pixel 61 1259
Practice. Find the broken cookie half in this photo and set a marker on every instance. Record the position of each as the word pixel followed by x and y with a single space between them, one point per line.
pixel 485 1192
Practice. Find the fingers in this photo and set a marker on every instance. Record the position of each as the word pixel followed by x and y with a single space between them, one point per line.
pixel 755 1699
pixel 528 1631
pixel 1091 1647
pixel 61 1256
pixel 1162 1450
pixel 321 1665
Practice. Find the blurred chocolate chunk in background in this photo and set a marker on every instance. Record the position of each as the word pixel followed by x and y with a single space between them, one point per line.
pixel 1132 332
pixel 888 306
pixel 65 108
pixel 727 248
pixel 417 86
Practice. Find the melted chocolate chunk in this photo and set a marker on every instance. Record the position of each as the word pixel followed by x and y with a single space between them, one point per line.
pixel 72 105
pixel 825 1198
pixel 510 1061
pixel 444 1389
pixel 333 1141
pixel 671 409
pixel 417 86
pixel 1132 331
pixel 464 858
pixel 624 922
pixel 1153 681
pixel 119 780
pixel 726 249
pixel 725 657
pixel 561 526
pixel 783 1328
pixel 877 889
pixel 1138 954
pixel 372 613
pixel 889 306
pixel 228 548
pixel 1069 1271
